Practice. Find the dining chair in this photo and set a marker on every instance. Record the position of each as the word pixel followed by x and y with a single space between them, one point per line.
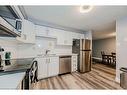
pixel 113 59
pixel 104 57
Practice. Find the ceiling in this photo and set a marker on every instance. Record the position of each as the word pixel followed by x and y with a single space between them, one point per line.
pixel 99 19
pixel 103 34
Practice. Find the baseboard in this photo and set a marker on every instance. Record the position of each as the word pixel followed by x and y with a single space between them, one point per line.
pixel 98 58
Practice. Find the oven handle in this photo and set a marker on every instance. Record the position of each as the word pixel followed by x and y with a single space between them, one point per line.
pixel 34 71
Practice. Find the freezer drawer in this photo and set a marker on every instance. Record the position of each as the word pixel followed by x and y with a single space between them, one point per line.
pixel 85 61
pixel 65 64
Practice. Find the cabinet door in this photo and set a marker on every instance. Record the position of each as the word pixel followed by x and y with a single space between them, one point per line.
pixel 53 66
pixel 64 38
pixel 40 30
pixel 44 31
pixel 28 32
pixel 42 68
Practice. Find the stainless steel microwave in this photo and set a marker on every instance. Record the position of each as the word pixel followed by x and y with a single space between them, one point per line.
pixel 10 23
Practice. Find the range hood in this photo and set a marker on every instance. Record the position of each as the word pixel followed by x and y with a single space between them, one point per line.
pixel 6 29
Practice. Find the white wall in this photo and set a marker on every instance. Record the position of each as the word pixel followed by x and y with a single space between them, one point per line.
pixel 121 45
pixel 107 45
pixel 88 35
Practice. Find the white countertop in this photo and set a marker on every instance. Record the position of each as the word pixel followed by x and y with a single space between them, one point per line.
pixel 53 55
pixel 11 81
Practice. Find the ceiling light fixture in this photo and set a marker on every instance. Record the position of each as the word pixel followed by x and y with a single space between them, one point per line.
pixel 85 8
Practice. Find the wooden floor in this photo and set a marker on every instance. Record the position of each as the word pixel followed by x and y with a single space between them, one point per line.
pixel 101 77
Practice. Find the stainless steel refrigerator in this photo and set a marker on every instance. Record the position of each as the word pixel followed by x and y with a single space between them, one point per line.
pixel 82 47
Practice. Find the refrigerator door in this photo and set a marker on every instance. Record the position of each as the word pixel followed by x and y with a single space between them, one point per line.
pixel 85 61
pixel 85 44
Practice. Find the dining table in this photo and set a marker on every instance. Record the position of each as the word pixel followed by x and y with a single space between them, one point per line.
pixel 111 59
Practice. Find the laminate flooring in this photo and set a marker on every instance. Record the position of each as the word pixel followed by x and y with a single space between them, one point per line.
pixel 100 77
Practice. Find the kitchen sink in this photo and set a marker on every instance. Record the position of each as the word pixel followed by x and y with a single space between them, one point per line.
pixel 49 54
pixel 46 55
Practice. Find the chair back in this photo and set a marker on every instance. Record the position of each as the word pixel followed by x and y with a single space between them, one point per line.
pixel 113 53
pixel 102 53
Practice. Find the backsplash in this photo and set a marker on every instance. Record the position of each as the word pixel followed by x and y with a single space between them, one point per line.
pixel 9 45
pixel 43 44
pixel 19 50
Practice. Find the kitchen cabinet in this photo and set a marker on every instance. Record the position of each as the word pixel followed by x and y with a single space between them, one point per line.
pixel 77 35
pixel 53 66
pixel 28 32
pixel 47 67
pixel 42 68
pixel 74 64
pixel 43 31
pixel 64 38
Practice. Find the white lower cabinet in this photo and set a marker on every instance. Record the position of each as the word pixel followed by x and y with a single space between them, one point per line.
pixel 42 68
pixel 53 66
pixel 47 67
pixel 74 64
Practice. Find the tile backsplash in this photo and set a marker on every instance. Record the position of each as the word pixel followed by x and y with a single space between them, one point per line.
pixel 19 50
pixel 43 44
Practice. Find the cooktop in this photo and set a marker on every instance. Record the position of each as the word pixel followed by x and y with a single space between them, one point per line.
pixel 16 65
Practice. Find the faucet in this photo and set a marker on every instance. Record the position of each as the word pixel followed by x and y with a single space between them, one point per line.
pixel 46 52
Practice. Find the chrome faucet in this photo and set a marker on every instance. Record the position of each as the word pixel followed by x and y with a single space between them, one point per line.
pixel 46 52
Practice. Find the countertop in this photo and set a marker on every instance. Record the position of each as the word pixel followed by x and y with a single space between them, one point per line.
pixel 11 81
pixel 17 65
pixel 55 55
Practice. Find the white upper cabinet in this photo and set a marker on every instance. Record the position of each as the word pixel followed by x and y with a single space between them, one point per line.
pixel 77 35
pixel 64 38
pixel 40 30
pixel 44 31
pixel 28 32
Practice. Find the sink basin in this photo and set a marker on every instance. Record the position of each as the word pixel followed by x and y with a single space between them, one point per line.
pixel 50 55
pixel 46 55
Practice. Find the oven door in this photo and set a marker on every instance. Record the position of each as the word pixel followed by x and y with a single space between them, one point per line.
pixel 31 76
pixel 26 81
